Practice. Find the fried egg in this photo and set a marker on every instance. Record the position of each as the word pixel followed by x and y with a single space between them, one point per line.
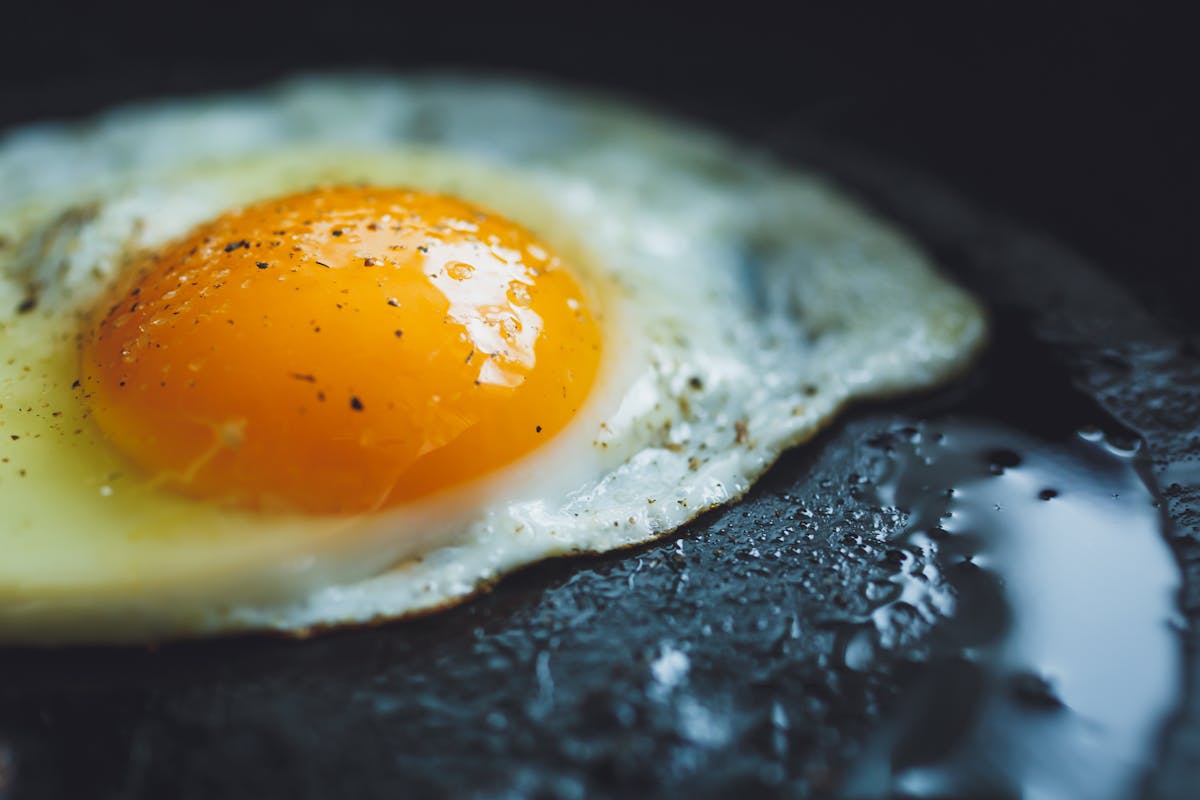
pixel 350 349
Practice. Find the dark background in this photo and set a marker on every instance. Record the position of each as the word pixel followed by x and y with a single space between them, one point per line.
pixel 1074 118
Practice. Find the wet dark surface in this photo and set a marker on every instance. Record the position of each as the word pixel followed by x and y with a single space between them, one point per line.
pixel 1054 586
pixel 834 634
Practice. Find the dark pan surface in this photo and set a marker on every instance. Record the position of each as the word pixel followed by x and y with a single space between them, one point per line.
pixel 713 662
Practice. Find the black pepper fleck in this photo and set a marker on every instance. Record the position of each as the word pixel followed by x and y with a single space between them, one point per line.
pixel 262 264
pixel 356 404
pixel 538 429
pixel 229 248
pixel 27 305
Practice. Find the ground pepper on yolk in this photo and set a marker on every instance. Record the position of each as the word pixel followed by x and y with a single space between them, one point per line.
pixel 340 350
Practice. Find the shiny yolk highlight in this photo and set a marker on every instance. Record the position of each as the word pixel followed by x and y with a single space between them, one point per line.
pixel 341 350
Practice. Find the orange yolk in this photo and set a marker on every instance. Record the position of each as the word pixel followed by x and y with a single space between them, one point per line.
pixel 341 350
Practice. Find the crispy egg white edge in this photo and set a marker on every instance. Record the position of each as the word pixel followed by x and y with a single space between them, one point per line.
pixel 922 329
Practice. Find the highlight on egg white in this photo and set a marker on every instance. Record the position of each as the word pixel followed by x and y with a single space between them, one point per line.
pixel 743 304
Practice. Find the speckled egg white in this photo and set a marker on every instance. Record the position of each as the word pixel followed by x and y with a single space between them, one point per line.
pixel 745 303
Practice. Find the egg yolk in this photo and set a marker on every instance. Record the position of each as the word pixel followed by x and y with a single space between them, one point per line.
pixel 340 350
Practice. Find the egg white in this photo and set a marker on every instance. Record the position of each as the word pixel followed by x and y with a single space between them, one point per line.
pixel 744 304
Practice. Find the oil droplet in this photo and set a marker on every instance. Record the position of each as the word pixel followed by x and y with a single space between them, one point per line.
pixel 1054 667
pixel 510 328
pixel 518 294
pixel 459 270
